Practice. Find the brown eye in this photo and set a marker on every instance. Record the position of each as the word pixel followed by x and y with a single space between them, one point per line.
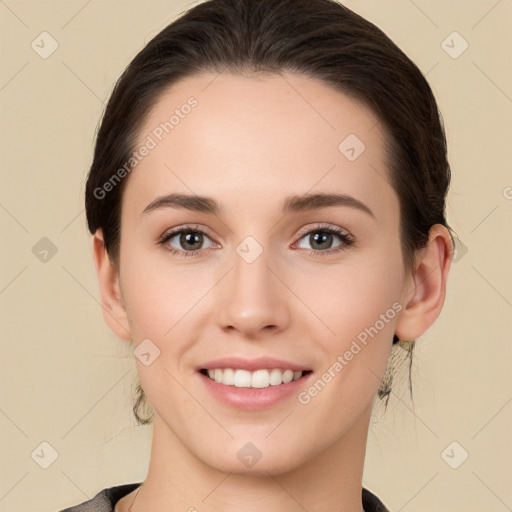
pixel 185 241
pixel 321 240
pixel 191 240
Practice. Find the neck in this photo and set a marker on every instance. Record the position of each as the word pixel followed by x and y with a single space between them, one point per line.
pixel 329 480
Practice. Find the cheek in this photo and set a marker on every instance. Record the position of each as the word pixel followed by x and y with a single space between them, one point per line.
pixel 350 299
pixel 360 305
pixel 162 297
pixel 162 303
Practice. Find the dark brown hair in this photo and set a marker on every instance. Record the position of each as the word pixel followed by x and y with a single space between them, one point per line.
pixel 320 39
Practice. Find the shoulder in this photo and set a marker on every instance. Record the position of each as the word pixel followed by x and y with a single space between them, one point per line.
pixel 372 503
pixel 105 500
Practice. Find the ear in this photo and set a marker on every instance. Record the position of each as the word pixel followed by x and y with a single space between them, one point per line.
pixel 425 288
pixel 114 311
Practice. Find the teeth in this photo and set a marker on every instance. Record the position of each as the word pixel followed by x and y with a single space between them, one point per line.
pixel 256 379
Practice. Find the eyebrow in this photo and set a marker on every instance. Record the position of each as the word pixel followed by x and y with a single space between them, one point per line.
pixel 292 204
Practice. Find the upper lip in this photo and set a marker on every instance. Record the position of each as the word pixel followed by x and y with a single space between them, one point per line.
pixel 252 364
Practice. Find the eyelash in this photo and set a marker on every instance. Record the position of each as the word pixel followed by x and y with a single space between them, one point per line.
pixel 346 239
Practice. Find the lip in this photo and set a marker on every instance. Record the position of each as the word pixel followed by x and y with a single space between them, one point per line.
pixel 259 363
pixel 254 399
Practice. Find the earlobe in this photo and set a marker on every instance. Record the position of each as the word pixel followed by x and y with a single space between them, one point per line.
pixel 114 311
pixel 426 288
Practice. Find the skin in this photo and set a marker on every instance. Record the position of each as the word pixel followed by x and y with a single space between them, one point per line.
pixel 251 142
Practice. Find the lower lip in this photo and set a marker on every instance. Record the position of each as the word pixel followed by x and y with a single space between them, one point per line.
pixel 254 399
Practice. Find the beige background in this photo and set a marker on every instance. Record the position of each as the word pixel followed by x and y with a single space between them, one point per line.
pixel 67 380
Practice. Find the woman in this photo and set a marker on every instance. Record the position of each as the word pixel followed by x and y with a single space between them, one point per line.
pixel 267 205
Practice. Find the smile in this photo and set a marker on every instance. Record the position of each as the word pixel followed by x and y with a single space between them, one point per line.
pixel 257 379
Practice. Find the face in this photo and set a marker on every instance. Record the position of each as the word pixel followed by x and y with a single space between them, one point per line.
pixel 258 270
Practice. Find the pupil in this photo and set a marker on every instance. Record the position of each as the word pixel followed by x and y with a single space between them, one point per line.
pixel 190 238
pixel 318 239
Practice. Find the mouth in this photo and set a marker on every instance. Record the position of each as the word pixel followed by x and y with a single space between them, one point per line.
pixel 258 379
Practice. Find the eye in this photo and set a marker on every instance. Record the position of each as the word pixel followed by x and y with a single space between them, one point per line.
pixel 320 240
pixel 188 241
pixel 185 241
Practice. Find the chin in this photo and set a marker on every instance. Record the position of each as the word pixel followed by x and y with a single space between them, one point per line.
pixel 247 460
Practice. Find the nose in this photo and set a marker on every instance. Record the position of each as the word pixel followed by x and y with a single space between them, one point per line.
pixel 252 298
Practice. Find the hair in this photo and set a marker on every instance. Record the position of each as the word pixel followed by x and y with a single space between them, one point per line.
pixel 320 39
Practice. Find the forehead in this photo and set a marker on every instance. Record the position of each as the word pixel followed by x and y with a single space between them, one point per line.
pixel 258 134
